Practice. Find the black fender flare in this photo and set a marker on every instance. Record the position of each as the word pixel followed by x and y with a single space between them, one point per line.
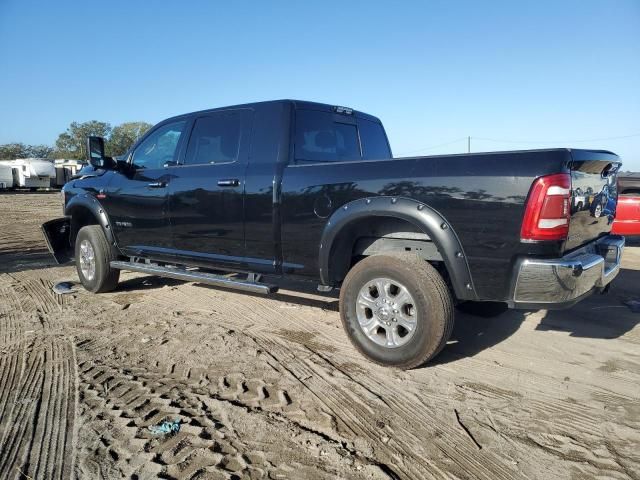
pixel 89 202
pixel 430 221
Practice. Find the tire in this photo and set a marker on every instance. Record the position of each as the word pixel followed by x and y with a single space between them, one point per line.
pixel 102 278
pixel 431 316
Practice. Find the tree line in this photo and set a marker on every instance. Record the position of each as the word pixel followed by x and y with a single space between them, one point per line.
pixel 71 143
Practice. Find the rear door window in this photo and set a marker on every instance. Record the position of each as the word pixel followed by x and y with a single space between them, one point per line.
pixel 320 138
pixel 215 138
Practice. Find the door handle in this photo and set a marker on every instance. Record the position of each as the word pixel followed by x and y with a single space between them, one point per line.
pixel 229 182
pixel 157 185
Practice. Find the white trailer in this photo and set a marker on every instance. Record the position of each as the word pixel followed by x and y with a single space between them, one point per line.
pixel 6 177
pixel 65 169
pixel 31 172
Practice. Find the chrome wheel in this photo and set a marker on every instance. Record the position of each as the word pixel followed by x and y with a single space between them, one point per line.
pixel 386 312
pixel 87 260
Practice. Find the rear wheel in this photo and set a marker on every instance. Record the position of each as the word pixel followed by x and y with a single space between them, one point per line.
pixel 93 258
pixel 396 310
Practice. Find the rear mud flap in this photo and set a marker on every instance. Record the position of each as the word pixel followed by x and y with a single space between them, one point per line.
pixel 56 234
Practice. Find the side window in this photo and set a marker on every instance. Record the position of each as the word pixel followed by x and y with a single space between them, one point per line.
pixel 321 139
pixel 373 140
pixel 215 138
pixel 159 147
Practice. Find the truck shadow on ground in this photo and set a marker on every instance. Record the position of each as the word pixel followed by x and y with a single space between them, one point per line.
pixel 599 316
pixel 146 282
pixel 13 261
pixel 475 332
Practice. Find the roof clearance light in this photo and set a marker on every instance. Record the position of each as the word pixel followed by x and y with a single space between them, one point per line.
pixel 343 110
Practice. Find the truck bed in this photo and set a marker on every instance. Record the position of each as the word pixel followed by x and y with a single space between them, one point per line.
pixel 482 196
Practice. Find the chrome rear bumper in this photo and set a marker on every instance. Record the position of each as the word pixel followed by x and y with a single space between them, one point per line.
pixel 561 282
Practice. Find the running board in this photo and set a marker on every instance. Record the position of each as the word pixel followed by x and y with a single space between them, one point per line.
pixel 195 276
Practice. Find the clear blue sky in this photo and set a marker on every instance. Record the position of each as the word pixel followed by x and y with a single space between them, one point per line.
pixel 548 71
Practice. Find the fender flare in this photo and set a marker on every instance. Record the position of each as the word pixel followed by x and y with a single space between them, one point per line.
pixel 89 202
pixel 419 214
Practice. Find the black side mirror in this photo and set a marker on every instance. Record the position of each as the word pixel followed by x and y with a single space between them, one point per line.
pixel 95 152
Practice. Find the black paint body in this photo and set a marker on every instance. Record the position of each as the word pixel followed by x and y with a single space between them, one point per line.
pixel 274 219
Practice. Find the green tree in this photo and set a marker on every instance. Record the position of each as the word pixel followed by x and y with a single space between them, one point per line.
pixel 40 151
pixel 11 151
pixel 125 135
pixel 72 143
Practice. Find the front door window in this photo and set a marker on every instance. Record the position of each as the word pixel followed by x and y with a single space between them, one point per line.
pixel 159 148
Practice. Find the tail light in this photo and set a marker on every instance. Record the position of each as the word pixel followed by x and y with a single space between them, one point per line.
pixel 548 210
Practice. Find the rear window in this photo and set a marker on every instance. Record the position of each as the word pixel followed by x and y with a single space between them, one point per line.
pixel 328 137
pixel 320 139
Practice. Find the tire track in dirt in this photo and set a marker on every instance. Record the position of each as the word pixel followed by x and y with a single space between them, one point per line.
pixel 37 421
pixel 427 443
pixel 209 440
pixel 37 389
pixel 358 408
pixel 36 294
pixel 455 451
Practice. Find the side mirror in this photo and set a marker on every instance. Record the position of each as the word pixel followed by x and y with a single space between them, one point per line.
pixel 95 152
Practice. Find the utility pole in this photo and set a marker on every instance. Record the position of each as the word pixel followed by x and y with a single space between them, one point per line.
pixel 468 144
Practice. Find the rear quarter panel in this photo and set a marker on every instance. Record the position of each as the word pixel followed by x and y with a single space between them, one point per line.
pixel 481 195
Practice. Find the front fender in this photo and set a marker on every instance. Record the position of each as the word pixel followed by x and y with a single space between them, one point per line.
pixel 419 214
pixel 88 202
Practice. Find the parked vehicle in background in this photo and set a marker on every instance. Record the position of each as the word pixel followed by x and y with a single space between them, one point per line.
pixel 6 177
pixel 65 171
pixel 627 220
pixel 311 192
pixel 578 200
pixel 31 173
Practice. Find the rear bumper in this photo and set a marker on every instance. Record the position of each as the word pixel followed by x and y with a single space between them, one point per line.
pixel 562 282
pixel 57 236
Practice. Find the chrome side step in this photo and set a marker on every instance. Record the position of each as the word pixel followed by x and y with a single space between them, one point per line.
pixel 196 276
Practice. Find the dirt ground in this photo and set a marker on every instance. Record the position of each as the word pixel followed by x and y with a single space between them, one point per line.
pixel 270 387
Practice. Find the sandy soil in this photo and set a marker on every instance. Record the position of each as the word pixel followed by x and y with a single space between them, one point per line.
pixel 269 387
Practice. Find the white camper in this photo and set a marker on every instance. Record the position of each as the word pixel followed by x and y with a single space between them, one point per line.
pixel 6 177
pixel 65 169
pixel 31 172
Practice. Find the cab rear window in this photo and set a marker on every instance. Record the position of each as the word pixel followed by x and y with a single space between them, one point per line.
pixel 327 137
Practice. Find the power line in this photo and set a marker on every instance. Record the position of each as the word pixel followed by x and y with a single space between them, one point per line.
pixel 558 141
pixel 434 146
pixel 498 140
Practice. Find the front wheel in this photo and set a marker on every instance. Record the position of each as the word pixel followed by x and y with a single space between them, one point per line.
pixel 93 260
pixel 396 310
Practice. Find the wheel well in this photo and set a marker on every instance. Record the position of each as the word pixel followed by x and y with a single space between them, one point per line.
pixel 80 217
pixel 379 234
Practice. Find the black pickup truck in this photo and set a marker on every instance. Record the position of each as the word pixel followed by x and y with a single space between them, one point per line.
pixel 237 195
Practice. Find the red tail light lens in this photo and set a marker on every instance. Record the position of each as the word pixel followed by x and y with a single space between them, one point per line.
pixel 548 209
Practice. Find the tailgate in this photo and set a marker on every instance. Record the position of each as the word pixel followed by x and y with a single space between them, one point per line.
pixel 593 195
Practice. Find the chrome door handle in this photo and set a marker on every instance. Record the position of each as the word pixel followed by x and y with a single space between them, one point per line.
pixel 229 182
pixel 157 185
